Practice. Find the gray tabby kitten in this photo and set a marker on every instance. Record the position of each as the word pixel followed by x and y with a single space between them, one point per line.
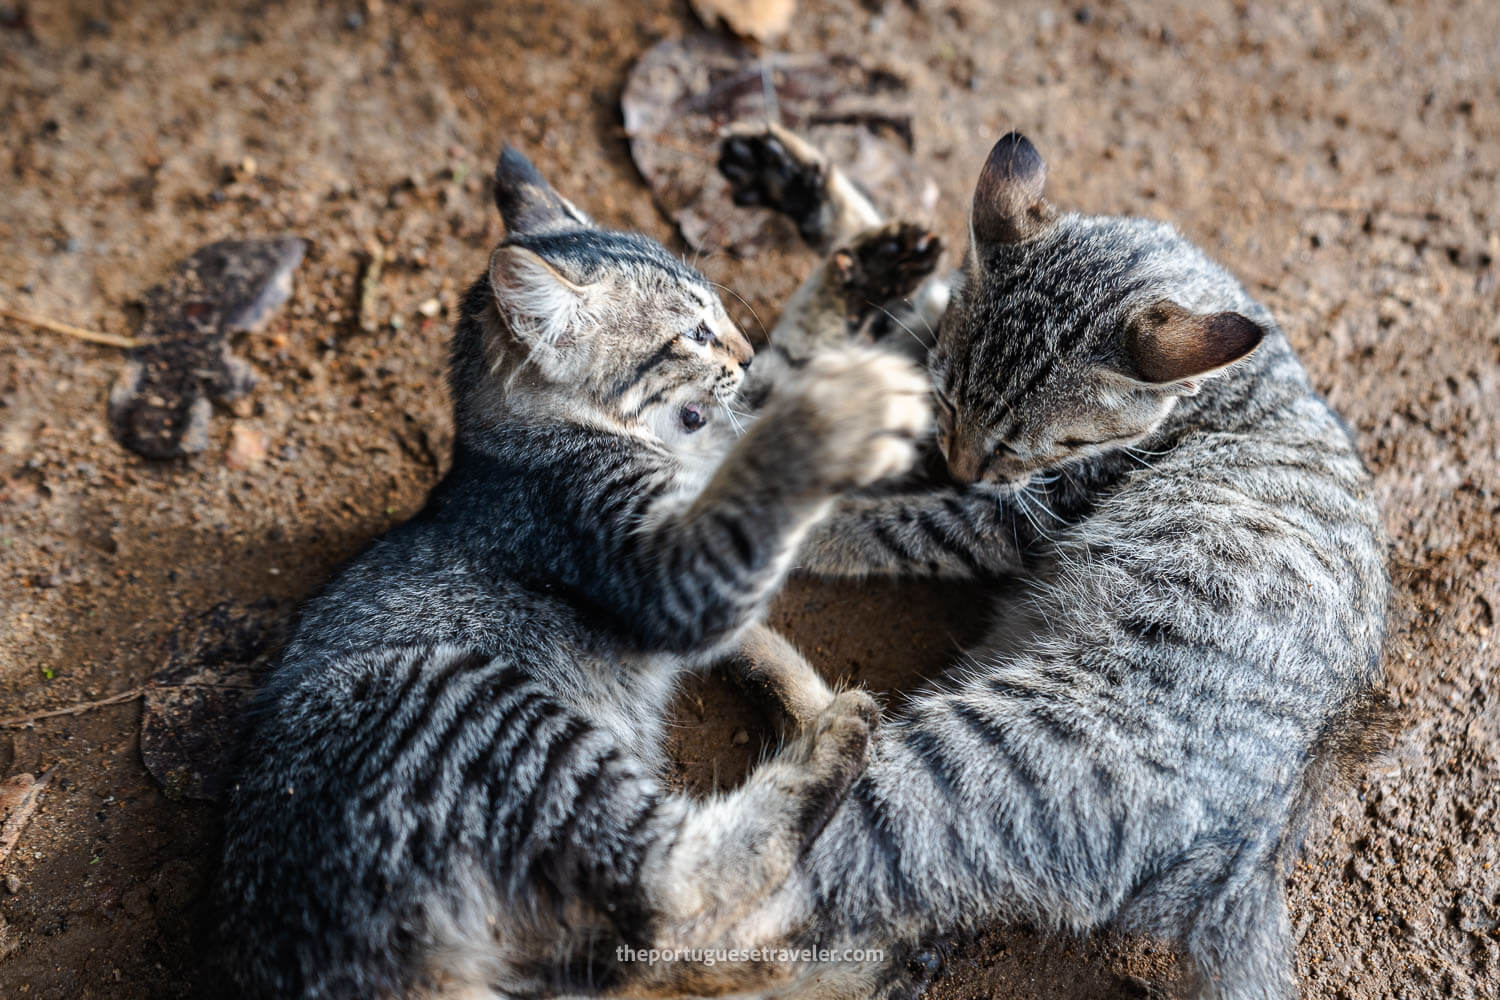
pixel 1186 652
pixel 453 781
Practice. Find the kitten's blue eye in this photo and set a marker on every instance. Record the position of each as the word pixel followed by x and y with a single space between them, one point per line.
pixel 692 418
pixel 701 334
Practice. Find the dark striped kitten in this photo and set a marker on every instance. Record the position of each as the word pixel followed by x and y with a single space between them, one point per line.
pixel 1186 653
pixel 453 782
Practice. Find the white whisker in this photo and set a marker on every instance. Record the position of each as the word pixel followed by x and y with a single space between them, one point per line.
pixel 919 315
pixel 739 428
pixel 764 334
pixel 909 331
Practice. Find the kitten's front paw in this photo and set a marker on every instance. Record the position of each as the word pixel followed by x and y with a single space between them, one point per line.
pixel 882 265
pixel 870 408
pixel 839 746
pixel 853 711
pixel 770 166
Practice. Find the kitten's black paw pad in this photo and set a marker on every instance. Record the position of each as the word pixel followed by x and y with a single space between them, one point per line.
pixel 886 264
pixel 761 170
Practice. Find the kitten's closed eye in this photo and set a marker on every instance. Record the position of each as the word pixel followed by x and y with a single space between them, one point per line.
pixel 701 334
pixel 1094 442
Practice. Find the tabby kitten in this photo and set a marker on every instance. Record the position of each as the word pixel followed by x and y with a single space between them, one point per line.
pixel 1186 653
pixel 453 781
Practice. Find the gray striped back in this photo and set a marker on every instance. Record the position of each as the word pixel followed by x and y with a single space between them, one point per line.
pixel 1188 647
pixel 453 779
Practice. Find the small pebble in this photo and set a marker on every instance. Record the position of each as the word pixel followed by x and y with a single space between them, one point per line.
pixel 430 308
pixel 13 884
pixel 740 738
pixel 247 448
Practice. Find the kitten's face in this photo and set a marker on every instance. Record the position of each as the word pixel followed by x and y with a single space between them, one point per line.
pixel 614 319
pixel 1065 337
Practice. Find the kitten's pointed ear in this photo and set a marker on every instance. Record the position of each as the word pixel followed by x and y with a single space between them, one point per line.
pixel 1168 344
pixel 1008 202
pixel 544 310
pixel 527 202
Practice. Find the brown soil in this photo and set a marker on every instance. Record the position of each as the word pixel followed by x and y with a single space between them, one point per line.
pixel 1341 158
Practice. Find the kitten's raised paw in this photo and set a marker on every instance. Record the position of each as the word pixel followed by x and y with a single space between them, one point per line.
pixel 869 408
pixel 883 264
pixel 769 166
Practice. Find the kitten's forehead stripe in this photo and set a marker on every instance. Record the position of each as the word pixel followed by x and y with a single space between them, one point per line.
pixel 1058 299
pixel 641 370
pixel 591 251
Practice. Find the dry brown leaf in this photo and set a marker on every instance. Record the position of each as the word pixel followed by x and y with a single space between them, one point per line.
pixel 19 795
pixel 681 94
pixel 762 20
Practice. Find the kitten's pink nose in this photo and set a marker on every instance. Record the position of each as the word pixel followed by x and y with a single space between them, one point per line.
pixel 738 347
pixel 965 461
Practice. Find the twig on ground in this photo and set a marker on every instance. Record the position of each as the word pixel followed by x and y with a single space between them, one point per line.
pixel 80 707
pixel 67 329
pixel 1352 207
pixel 18 798
pixel 369 287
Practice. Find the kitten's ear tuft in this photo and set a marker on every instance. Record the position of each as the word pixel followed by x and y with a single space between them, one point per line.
pixel 544 310
pixel 527 203
pixel 1008 202
pixel 1168 344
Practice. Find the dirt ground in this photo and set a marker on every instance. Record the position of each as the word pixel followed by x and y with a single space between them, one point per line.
pixel 1341 158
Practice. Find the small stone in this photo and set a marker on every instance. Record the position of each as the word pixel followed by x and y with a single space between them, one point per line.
pixel 247 448
pixel 430 308
pixel 740 738
pixel 13 884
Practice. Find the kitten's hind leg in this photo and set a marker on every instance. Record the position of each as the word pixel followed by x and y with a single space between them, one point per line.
pixel 846 296
pixel 1241 948
pixel 771 166
pixel 860 290
pixel 875 274
pixel 728 856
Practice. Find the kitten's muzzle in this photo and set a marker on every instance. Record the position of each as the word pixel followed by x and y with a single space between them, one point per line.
pixel 738 347
pixel 967 460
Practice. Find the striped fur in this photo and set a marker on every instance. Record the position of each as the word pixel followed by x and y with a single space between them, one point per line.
pixel 453 784
pixel 1189 641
